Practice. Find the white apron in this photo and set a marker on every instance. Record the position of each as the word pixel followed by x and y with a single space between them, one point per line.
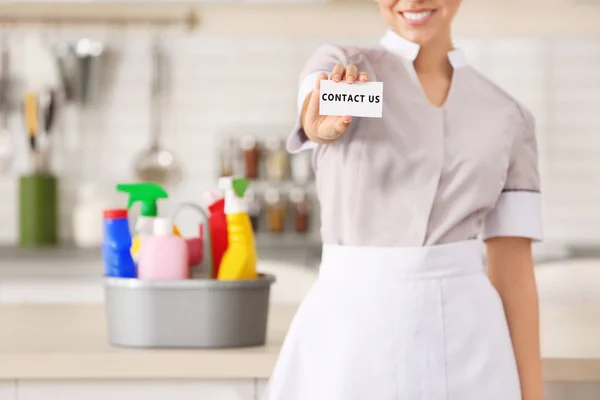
pixel 420 323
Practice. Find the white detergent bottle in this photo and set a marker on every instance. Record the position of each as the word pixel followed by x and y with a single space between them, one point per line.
pixel 88 217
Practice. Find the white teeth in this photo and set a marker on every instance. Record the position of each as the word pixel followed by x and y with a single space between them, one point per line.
pixel 417 16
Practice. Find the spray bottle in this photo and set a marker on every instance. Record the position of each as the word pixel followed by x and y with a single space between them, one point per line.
pixel 239 261
pixel 217 225
pixel 147 194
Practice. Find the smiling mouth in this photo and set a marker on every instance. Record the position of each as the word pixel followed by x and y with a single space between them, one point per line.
pixel 417 17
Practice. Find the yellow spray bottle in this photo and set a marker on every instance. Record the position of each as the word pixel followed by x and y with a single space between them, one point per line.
pixel 239 260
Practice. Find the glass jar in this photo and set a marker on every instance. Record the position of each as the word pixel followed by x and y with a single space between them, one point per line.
pixel 251 155
pixel 301 167
pixel 275 211
pixel 253 209
pixel 277 162
pixel 301 210
pixel 227 156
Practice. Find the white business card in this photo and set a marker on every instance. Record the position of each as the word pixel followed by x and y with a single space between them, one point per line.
pixel 361 99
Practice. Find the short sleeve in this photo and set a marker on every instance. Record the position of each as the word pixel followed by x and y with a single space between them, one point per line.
pixel 518 211
pixel 323 60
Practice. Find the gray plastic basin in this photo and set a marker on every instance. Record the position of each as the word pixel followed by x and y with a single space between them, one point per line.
pixel 194 313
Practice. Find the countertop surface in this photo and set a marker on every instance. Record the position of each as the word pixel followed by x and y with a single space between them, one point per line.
pixel 70 262
pixel 69 342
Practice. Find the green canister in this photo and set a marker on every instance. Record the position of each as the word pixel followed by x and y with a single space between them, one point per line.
pixel 38 210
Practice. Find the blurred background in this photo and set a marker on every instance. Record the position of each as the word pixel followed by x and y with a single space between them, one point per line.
pixel 230 84
pixel 85 86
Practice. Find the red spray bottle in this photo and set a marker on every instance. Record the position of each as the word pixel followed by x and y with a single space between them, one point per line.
pixel 217 224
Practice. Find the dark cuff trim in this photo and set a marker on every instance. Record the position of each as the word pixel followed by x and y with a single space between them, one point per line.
pixel 521 190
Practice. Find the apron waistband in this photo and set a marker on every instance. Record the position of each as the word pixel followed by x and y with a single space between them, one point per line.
pixel 437 261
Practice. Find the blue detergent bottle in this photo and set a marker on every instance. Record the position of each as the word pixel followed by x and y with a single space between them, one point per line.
pixel 116 247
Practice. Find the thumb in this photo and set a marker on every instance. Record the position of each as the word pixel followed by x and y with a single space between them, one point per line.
pixel 312 112
pixel 334 127
pixel 341 125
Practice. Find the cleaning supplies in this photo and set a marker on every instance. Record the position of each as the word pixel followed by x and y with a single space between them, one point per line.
pixel 147 194
pixel 217 226
pixel 195 247
pixel 116 254
pixel 87 217
pixel 137 241
pixel 239 261
pixel 163 256
pixel 199 248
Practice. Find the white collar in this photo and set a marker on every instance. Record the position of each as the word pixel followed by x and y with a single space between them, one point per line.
pixel 409 50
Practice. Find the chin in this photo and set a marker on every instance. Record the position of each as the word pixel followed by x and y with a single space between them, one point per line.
pixel 420 37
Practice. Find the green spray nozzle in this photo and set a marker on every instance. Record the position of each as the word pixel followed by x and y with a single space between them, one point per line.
pixel 145 193
pixel 237 184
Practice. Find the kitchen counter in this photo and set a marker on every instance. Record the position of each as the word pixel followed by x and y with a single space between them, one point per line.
pixel 68 342
pixel 71 262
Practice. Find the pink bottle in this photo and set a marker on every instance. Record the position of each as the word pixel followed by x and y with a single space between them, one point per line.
pixel 163 256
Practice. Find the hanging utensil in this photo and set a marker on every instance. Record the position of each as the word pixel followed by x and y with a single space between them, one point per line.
pixel 6 139
pixel 67 66
pixel 49 121
pixel 157 164
pixel 89 58
pixel 47 109
pixel 80 64
pixel 31 116
pixel 50 114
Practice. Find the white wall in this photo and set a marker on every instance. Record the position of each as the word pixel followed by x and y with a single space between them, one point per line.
pixel 317 18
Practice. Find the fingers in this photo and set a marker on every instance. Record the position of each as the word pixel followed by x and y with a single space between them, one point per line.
pixel 330 128
pixel 351 73
pixel 337 74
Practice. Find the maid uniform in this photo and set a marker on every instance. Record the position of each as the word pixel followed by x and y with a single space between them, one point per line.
pixel 403 308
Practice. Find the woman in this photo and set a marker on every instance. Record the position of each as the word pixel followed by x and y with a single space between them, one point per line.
pixel 403 308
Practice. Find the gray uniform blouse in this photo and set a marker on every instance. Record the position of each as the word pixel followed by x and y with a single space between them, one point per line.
pixel 424 175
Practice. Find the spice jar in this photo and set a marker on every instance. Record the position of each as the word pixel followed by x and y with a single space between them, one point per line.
pixel 251 157
pixel 275 211
pixel 253 208
pixel 301 210
pixel 301 167
pixel 227 156
pixel 277 162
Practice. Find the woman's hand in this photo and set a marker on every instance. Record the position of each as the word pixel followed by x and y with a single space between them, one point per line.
pixel 328 128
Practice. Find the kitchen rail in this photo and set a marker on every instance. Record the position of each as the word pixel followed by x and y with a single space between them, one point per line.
pixel 79 15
